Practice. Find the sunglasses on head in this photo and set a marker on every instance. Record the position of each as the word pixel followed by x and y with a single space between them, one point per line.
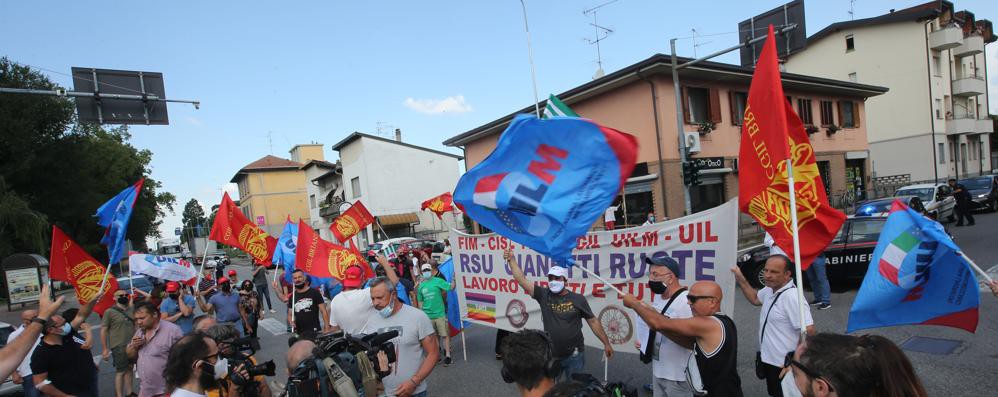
pixel 789 360
pixel 695 298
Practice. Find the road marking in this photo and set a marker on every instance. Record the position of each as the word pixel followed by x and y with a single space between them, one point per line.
pixel 275 327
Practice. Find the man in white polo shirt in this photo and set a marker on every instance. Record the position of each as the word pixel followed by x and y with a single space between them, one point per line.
pixel 779 318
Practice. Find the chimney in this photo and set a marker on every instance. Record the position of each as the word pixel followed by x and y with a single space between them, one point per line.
pixel 398 135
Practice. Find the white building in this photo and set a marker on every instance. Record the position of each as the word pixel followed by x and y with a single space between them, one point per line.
pixel 323 181
pixel 392 178
pixel 933 123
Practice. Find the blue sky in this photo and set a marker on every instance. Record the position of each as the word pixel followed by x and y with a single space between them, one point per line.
pixel 315 71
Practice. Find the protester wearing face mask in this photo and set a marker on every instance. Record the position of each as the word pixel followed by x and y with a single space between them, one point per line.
pixel 55 364
pixel 193 366
pixel 416 346
pixel 668 359
pixel 150 347
pixel 117 328
pixel 430 294
pixel 650 220
pixel 178 307
pixel 225 305
pixel 349 311
pixel 308 306
pixel 562 312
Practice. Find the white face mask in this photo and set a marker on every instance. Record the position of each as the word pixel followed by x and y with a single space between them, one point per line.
pixel 556 286
pixel 221 368
pixel 789 385
pixel 387 310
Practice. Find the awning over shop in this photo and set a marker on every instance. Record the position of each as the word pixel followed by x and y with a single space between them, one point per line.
pixel 398 219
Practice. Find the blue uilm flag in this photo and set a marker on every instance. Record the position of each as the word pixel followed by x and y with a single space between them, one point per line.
pixel 547 181
pixel 453 307
pixel 284 255
pixel 917 275
pixel 114 216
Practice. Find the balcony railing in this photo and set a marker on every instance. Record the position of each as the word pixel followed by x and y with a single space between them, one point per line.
pixel 948 37
pixel 971 45
pixel 971 85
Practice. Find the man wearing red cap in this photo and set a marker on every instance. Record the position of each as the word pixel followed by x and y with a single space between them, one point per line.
pixel 233 277
pixel 178 307
pixel 350 310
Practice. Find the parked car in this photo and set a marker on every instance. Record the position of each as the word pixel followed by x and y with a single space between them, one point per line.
pixel 983 190
pixel 8 387
pixel 881 207
pixel 379 247
pixel 847 257
pixel 937 198
pixel 425 246
pixel 142 283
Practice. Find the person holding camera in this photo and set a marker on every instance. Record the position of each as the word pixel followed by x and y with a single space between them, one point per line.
pixel 178 307
pixel 528 360
pixel 416 346
pixel 192 366
pixel 238 381
pixel 150 347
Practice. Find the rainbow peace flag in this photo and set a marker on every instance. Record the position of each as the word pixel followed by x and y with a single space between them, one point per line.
pixel 481 307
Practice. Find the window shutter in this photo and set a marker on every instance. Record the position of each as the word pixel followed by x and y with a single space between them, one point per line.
pixel 686 106
pixel 715 105
pixel 840 114
pixel 733 107
pixel 855 114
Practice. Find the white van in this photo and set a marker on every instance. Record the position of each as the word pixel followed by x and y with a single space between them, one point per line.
pixel 937 198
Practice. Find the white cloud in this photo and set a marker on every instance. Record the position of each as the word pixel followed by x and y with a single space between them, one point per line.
pixel 451 104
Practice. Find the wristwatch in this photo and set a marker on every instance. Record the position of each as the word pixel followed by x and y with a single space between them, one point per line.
pixel 39 320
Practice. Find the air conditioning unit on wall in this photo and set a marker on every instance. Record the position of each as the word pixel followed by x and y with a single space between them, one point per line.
pixel 692 141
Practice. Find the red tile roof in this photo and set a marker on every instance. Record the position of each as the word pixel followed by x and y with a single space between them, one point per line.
pixel 271 162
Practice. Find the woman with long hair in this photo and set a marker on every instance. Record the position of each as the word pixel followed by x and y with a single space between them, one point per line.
pixel 249 307
pixel 844 365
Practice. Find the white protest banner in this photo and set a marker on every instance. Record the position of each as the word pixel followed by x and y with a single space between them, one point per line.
pixel 163 267
pixel 704 244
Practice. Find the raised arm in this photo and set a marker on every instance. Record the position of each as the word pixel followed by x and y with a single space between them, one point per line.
pixel 15 351
pixel 84 312
pixel 521 279
pixel 751 294
pixel 690 327
pixel 389 269
pixel 184 308
pixel 205 307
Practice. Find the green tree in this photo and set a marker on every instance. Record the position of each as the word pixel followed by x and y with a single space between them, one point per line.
pixel 193 221
pixel 63 170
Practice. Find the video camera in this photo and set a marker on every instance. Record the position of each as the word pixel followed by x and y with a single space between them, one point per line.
pixel 340 363
pixel 242 350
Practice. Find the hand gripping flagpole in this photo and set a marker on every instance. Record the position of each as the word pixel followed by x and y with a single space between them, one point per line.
pixel 793 222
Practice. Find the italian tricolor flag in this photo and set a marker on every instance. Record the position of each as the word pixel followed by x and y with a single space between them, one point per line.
pixel 895 253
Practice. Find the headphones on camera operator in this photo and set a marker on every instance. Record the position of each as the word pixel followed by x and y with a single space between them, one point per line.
pixel 332 370
pixel 550 369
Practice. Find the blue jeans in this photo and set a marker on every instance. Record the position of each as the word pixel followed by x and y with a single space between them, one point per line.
pixel 818 279
pixel 571 365
pixel 29 387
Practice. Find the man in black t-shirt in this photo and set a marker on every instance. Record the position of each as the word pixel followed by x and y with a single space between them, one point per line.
pixel 562 312
pixel 307 308
pixel 58 364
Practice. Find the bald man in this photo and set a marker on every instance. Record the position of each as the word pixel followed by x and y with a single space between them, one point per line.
pixel 711 335
pixel 298 352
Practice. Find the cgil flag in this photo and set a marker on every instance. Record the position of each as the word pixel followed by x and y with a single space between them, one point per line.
pixel 114 216
pixel 917 275
pixel 351 221
pixel 231 227
pixel 320 258
pixel 557 108
pixel 547 181
pixel 440 204
pixel 772 134
pixel 70 263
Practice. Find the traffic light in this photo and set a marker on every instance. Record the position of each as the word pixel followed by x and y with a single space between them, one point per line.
pixel 691 173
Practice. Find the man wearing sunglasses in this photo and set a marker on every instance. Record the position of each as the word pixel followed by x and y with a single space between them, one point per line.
pixel 193 366
pixel 562 312
pixel 668 359
pixel 713 366
pixel 779 319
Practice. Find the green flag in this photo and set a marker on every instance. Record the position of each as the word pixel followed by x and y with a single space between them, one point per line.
pixel 556 107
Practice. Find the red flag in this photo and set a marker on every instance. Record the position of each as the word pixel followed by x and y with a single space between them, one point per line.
pixel 70 263
pixel 320 258
pixel 440 204
pixel 368 270
pixel 232 228
pixel 351 221
pixel 771 134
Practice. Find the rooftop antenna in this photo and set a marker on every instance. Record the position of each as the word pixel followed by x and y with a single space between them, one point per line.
pixel 270 141
pixel 697 45
pixel 601 34
pixel 852 9
pixel 385 130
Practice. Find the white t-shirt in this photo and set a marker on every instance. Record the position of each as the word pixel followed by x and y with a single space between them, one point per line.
pixel 25 368
pixel 413 326
pixel 178 392
pixel 608 215
pixel 349 310
pixel 670 360
pixel 774 249
pixel 783 328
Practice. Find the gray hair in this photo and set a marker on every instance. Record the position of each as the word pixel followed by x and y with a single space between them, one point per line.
pixel 222 332
pixel 383 280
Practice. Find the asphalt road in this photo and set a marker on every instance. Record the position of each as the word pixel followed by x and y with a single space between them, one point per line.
pixel 967 371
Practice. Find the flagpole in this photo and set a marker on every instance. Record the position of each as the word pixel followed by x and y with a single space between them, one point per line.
pixel 530 54
pixel 974 266
pixel 104 281
pixel 608 285
pixel 793 222
pixel 464 344
pixel 197 283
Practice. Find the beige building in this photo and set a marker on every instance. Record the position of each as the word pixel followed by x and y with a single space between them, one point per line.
pixel 272 189
pixel 934 121
pixel 639 100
